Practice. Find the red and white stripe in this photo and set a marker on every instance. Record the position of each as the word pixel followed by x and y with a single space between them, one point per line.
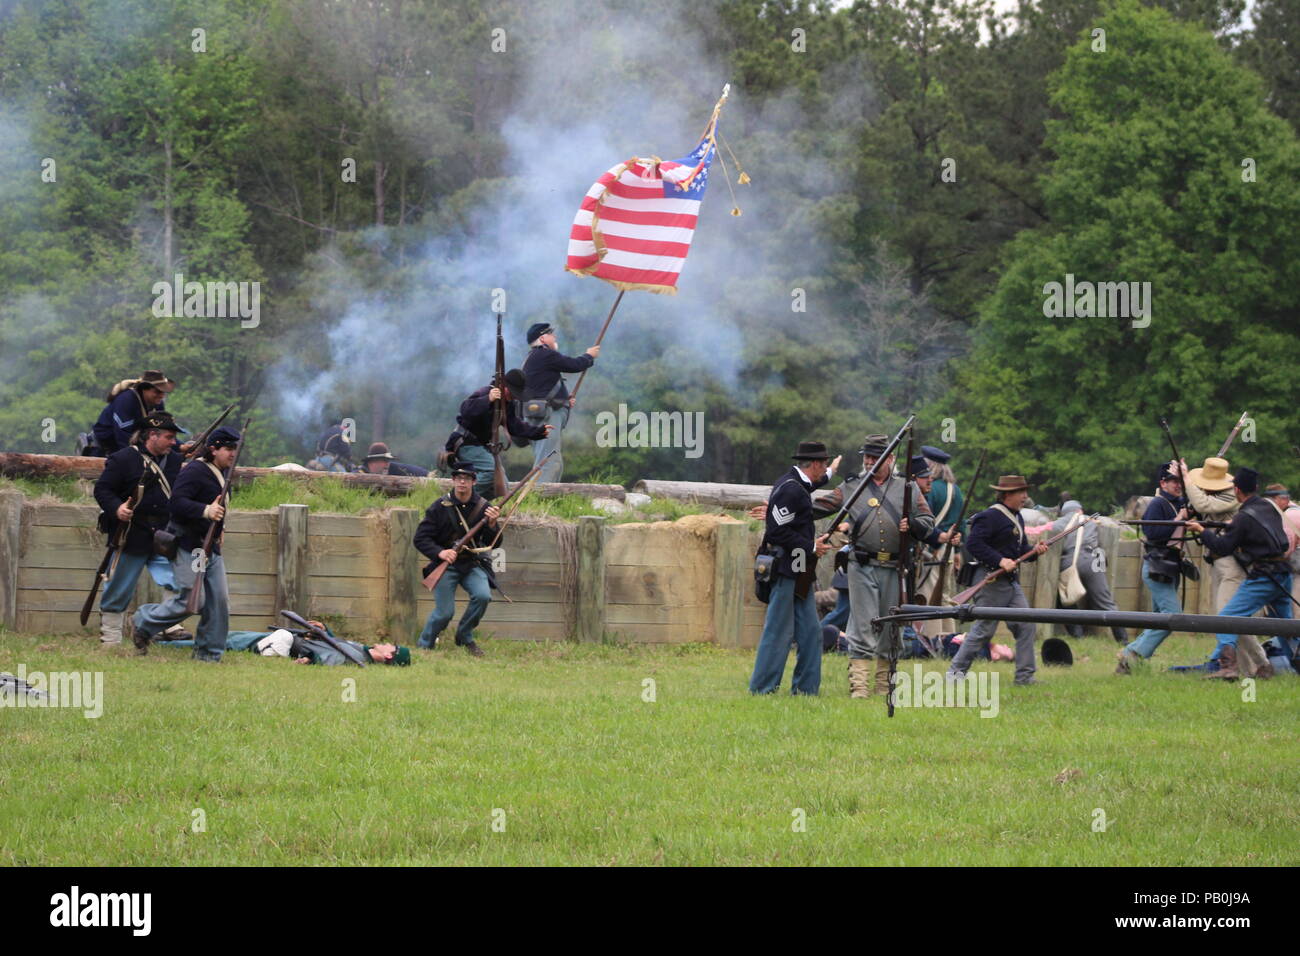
pixel 628 233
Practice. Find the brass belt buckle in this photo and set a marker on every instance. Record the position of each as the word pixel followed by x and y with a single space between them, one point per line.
pixel 882 556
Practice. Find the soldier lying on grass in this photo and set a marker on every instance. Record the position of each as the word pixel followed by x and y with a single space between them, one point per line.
pixel 304 649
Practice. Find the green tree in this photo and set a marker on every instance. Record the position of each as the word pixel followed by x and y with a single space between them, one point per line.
pixel 1148 185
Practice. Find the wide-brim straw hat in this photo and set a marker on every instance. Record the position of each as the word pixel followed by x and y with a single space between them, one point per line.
pixel 1212 476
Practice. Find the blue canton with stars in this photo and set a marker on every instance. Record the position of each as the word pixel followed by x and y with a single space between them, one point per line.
pixel 696 189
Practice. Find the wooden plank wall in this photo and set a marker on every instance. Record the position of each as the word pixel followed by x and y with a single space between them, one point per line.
pixel 661 583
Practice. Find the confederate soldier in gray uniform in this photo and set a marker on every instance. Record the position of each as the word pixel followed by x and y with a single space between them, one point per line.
pixel 996 540
pixel 1090 562
pixel 875 527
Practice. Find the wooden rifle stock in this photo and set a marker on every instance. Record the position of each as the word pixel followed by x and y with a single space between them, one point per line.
pixel 499 483
pixel 196 592
pixel 115 542
pixel 433 577
pixel 936 596
pixel 972 591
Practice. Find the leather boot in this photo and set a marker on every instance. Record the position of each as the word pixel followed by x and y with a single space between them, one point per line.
pixel 1121 635
pixel 1227 664
pixel 110 627
pixel 882 677
pixel 859 679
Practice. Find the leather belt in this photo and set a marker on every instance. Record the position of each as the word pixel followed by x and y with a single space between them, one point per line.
pixel 874 557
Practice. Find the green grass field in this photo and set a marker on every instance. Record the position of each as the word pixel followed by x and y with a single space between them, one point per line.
pixel 559 738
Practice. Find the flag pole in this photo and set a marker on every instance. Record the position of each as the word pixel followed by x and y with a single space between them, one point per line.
pixel 603 329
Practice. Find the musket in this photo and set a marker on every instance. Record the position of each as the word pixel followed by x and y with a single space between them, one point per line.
pixel 347 650
pixel 196 591
pixel 853 498
pixel 1178 460
pixel 1233 434
pixel 431 580
pixel 972 591
pixel 806 577
pixel 115 543
pixel 936 596
pixel 906 553
pixel 1171 523
pixel 498 445
pixel 203 436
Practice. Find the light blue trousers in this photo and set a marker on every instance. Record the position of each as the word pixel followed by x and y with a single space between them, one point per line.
pixel 120 588
pixel 214 607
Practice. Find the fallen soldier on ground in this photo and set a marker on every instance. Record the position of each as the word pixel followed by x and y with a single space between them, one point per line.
pixel 304 649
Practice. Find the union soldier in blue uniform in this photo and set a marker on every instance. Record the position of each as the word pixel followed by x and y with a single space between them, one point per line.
pixel 445 522
pixel 151 465
pixel 1161 564
pixel 545 395
pixel 1256 540
pixel 789 539
pixel 380 461
pixel 195 505
pixel 996 540
pixel 333 451
pixel 473 432
pixel 302 648
pixel 129 402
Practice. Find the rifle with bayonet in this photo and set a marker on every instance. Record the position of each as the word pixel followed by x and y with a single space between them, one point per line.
pixel 1233 434
pixel 906 544
pixel 1070 529
pixel 434 576
pixel 936 596
pixel 347 650
pixel 116 541
pixel 906 567
pixel 1172 523
pixel 196 591
pixel 805 578
pixel 497 445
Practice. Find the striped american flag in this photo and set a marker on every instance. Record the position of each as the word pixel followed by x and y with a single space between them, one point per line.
pixel 635 225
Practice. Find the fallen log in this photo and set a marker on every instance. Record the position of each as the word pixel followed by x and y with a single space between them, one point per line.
pixel 709 492
pixel 19 465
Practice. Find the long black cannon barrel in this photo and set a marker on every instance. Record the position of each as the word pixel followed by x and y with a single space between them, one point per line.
pixel 1195 623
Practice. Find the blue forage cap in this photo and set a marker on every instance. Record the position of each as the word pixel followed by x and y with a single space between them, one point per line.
pixel 935 454
pixel 223 437
pixel 920 467
pixel 537 330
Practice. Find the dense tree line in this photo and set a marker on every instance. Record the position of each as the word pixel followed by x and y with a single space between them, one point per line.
pixel 922 170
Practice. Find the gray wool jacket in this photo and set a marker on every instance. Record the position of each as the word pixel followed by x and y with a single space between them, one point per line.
pixel 1088 534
